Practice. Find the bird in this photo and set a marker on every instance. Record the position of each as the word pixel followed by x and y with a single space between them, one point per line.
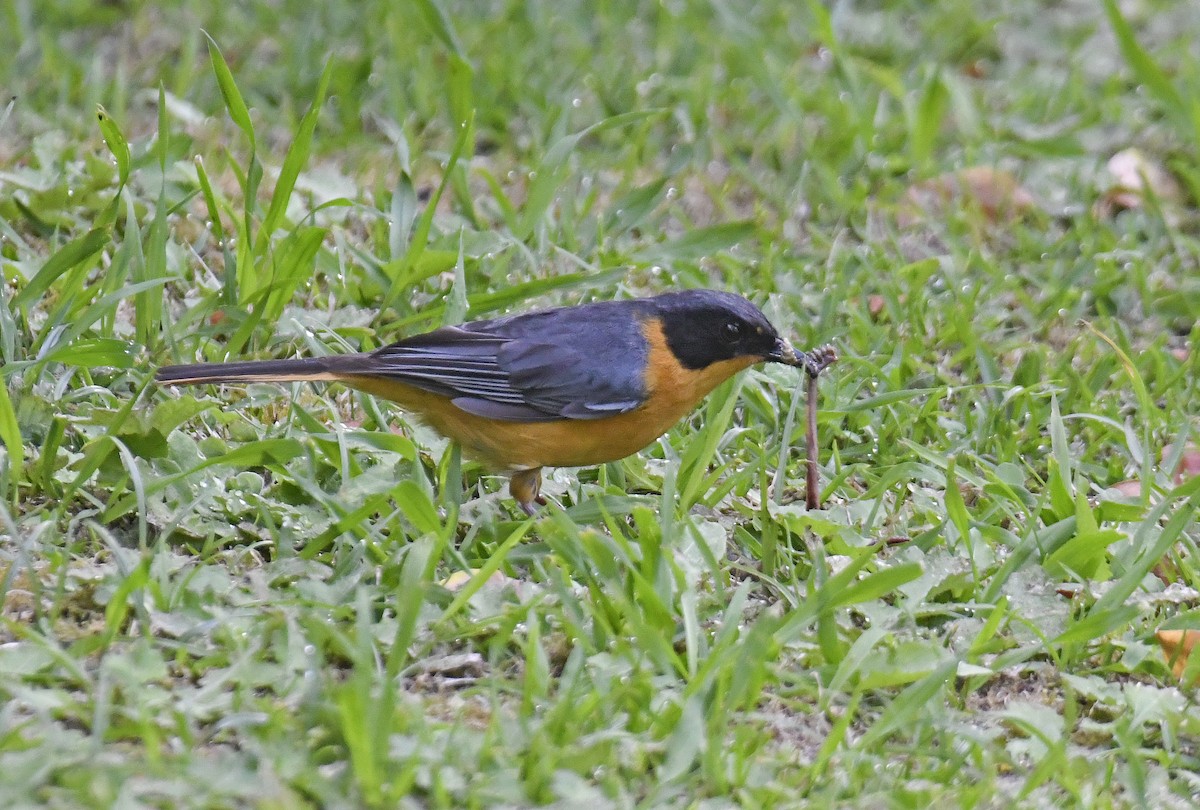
pixel 572 386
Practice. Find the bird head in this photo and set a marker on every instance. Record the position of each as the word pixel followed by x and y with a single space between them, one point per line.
pixel 703 327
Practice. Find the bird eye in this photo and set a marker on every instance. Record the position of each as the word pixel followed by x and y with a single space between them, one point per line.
pixel 733 330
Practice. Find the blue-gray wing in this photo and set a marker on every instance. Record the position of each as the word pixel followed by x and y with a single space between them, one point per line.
pixel 583 362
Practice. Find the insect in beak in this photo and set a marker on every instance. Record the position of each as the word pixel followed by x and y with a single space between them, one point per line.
pixel 783 352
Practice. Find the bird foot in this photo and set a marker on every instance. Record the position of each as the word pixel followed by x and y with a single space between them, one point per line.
pixel 524 486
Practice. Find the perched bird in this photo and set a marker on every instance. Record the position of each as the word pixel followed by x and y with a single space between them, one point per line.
pixel 567 387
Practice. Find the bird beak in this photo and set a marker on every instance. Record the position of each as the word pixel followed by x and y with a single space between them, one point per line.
pixel 784 353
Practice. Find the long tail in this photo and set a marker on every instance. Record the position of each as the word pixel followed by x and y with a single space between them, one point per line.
pixel 336 367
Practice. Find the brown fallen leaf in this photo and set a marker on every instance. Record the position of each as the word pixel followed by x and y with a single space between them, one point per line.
pixel 1187 468
pixel 997 194
pixel 1189 462
pixel 1135 177
pixel 1166 571
pixel 456 581
pixel 1131 488
pixel 1189 465
pixel 1177 647
pixel 976 69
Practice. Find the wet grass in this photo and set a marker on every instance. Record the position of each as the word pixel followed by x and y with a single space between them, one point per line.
pixel 299 596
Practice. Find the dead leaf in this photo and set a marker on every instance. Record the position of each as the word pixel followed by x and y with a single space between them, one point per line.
pixel 1166 571
pixel 997 194
pixel 458 579
pixel 1177 647
pixel 1136 177
pixel 1187 468
pixel 1189 462
pixel 976 69
pixel 1131 488
pixel 1189 465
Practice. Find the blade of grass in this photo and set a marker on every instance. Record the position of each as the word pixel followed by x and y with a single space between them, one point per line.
pixel 65 259
pixel 906 706
pixel 234 103
pixel 1148 73
pixel 230 266
pixel 10 434
pixel 404 275
pixel 249 179
pixel 116 143
pixel 297 156
pixel 481 576
pixel 552 170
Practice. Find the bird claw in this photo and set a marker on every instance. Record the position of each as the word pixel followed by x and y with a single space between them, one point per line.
pixel 528 506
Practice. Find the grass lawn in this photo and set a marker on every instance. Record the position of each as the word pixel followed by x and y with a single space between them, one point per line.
pixel 297 596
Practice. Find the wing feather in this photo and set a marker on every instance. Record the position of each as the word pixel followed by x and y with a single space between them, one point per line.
pixel 578 363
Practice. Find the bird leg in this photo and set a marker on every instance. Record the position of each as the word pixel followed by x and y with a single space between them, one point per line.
pixel 524 486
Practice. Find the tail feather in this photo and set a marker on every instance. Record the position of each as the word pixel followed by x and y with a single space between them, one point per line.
pixel 312 368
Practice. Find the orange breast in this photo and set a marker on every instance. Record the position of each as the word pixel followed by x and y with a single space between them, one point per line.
pixel 674 391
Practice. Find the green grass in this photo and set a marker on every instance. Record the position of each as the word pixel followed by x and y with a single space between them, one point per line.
pixel 248 597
